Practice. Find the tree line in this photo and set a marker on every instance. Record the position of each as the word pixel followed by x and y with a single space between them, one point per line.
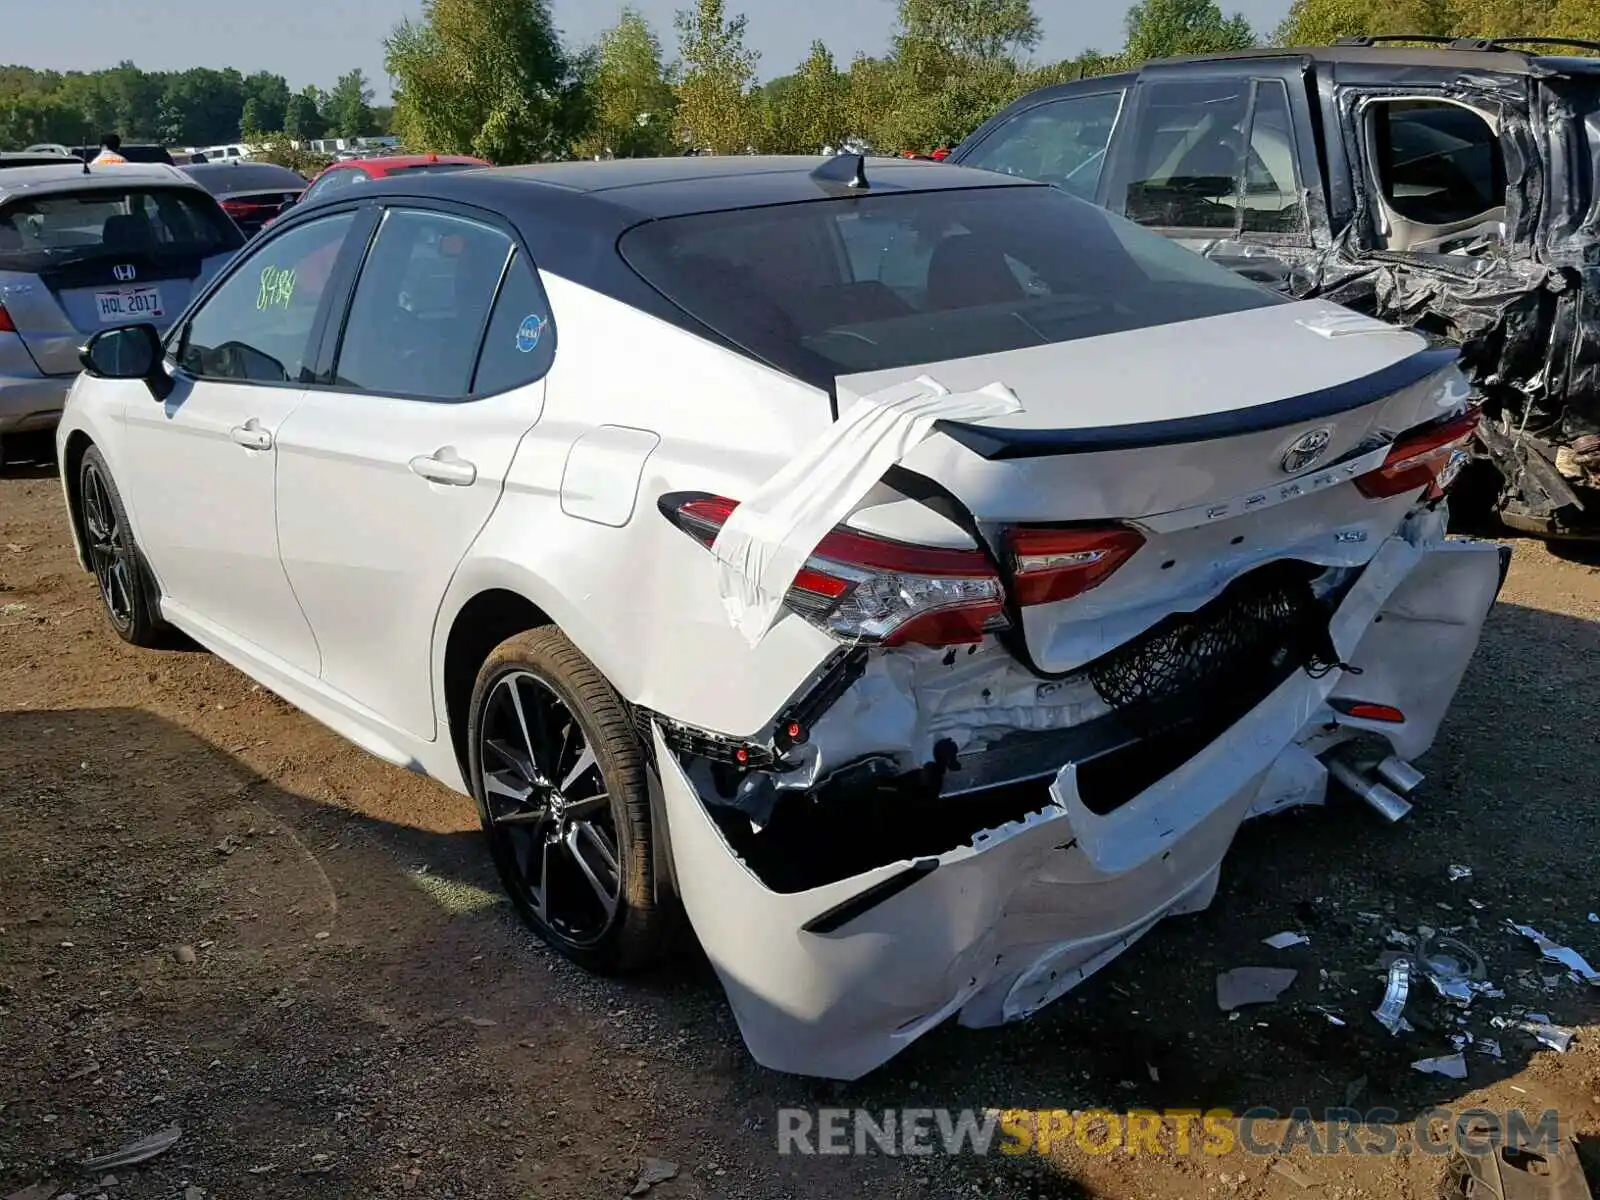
pixel 197 107
pixel 494 78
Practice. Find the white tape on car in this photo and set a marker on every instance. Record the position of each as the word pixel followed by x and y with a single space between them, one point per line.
pixel 768 538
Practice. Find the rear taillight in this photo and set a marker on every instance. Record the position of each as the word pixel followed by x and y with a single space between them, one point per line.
pixel 7 325
pixel 1428 458
pixel 1057 564
pixel 870 589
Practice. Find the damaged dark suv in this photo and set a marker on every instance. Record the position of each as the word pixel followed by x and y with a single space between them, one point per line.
pixel 1453 189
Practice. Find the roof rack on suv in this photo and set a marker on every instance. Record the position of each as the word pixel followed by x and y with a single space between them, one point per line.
pixel 1466 43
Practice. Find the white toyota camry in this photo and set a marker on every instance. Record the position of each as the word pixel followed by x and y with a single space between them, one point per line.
pixel 915 575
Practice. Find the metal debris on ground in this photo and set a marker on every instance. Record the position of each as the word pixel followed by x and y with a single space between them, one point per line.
pixel 1252 985
pixel 1555 952
pixel 36 1191
pixel 1282 941
pixel 1453 1065
pixel 654 1171
pixel 1594 918
pixel 1400 938
pixel 1458 872
pixel 1557 1037
pixel 1389 1013
pixel 1490 1047
pixel 1552 1172
pixel 136 1152
pixel 1333 1017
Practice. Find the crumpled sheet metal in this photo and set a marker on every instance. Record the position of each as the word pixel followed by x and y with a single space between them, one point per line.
pixel 767 540
pixel 1528 322
pixel 992 930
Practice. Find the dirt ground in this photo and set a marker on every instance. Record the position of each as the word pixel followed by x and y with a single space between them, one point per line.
pixel 215 914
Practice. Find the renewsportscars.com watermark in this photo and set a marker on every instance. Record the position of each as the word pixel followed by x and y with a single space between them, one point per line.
pixel 1215 1132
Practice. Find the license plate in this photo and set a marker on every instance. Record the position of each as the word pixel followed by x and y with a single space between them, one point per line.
pixel 128 304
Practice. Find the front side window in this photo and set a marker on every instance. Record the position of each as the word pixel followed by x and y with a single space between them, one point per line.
pixel 418 313
pixel 256 327
pixel 838 286
pixel 43 232
pixel 1188 147
pixel 1061 143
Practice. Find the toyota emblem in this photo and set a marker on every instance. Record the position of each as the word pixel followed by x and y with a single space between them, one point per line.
pixel 1306 450
pixel 124 272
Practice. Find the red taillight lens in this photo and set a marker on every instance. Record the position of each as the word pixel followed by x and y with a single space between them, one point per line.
pixel 1426 459
pixel 1363 710
pixel 865 588
pixel 7 325
pixel 1057 564
pixel 872 589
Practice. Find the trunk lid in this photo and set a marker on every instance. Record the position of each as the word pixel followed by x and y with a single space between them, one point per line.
pixel 1228 442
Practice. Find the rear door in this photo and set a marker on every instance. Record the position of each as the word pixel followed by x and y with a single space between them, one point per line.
pixel 391 466
pixel 72 263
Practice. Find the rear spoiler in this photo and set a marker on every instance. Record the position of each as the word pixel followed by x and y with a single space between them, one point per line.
pixel 999 443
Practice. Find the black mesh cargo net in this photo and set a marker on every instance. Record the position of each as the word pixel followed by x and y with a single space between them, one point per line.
pixel 1218 662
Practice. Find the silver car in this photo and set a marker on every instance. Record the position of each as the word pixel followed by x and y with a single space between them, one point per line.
pixel 84 249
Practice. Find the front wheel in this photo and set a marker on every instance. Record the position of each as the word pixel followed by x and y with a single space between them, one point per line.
pixel 562 795
pixel 113 557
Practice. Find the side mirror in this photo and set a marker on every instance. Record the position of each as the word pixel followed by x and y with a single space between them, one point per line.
pixel 128 352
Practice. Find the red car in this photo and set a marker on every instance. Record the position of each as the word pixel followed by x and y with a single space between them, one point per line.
pixel 341 176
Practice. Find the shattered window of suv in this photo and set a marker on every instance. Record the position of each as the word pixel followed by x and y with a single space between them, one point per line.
pixel 837 286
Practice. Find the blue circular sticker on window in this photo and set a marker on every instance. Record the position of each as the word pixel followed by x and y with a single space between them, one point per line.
pixel 529 332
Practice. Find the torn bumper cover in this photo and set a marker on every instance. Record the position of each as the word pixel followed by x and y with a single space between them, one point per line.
pixel 835 979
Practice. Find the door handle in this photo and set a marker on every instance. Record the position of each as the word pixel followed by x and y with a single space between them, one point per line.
pixel 251 436
pixel 445 466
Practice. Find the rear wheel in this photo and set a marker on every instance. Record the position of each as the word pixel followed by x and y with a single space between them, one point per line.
pixel 113 557
pixel 562 795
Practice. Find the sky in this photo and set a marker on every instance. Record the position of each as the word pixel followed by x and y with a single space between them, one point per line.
pixel 316 41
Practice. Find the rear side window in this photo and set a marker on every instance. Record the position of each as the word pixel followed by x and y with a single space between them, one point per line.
pixel 40 232
pixel 838 286
pixel 1438 164
pixel 420 305
pixel 521 342
pixel 256 327
pixel 1061 143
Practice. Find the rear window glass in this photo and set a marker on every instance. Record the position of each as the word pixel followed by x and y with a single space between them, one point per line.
pixel 429 168
pixel 248 177
pixel 39 232
pixel 862 284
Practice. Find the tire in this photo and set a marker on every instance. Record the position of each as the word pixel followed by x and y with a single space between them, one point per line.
pixel 127 592
pixel 553 827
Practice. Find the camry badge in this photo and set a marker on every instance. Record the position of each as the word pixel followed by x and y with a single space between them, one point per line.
pixel 1305 450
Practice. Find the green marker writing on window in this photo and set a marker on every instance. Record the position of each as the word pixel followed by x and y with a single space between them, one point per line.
pixel 277 288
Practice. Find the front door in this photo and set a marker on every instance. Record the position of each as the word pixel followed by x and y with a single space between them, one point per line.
pixel 201 465
pixel 387 473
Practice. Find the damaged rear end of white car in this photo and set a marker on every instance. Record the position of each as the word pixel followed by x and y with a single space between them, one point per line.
pixel 1102 566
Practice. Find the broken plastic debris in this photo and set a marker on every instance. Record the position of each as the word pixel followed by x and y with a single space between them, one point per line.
pixel 1389 1013
pixel 1564 955
pixel 1252 985
pixel 1594 918
pixel 1399 938
pixel 1454 968
pixel 1458 872
pixel 1557 1037
pixel 1333 1017
pixel 1282 941
pixel 1490 1047
pixel 654 1171
pixel 1453 1065
pixel 136 1152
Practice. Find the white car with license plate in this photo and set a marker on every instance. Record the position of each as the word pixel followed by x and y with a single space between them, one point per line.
pixel 84 249
pixel 914 575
